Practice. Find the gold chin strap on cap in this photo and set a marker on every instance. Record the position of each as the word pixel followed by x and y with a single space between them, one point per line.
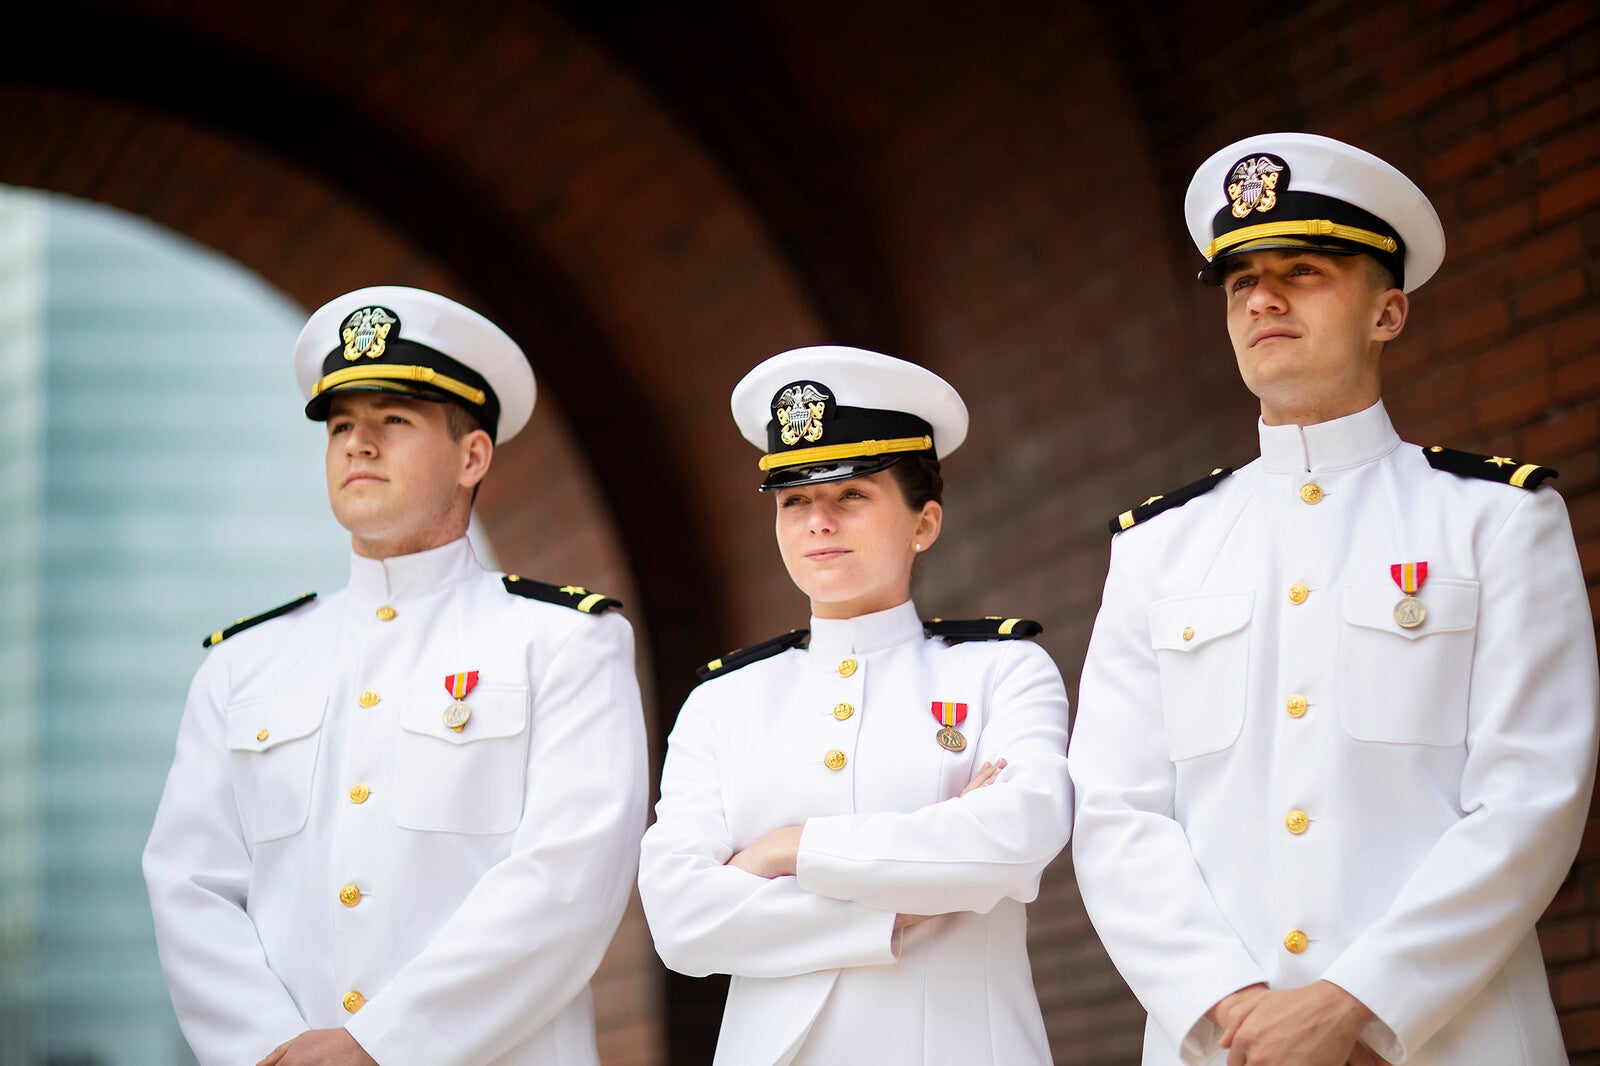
pixel 424 375
pixel 857 450
pixel 1311 227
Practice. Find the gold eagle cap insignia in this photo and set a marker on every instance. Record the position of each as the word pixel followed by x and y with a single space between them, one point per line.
pixel 799 410
pixel 1253 184
pixel 367 332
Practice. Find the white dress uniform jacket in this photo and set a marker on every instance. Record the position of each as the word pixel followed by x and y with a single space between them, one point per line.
pixel 819 974
pixel 323 832
pixel 1251 762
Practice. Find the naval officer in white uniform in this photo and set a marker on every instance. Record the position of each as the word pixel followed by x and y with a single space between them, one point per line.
pixel 402 822
pixel 1336 736
pixel 851 822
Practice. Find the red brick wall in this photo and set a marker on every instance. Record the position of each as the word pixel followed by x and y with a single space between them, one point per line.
pixel 653 205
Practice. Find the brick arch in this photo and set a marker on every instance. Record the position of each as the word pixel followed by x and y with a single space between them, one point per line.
pixel 489 148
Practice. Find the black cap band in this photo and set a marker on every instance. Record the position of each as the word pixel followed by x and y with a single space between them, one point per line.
pixel 1306 220
pixel 849 425
pixel 412 369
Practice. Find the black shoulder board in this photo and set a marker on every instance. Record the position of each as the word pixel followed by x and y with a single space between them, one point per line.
pixel 753 654
pixel 254 620
pixel 991 628
pixel 1488 467
pixel 1176 498
pixel 575 596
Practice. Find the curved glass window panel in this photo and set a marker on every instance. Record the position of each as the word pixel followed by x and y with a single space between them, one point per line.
pixel 158 480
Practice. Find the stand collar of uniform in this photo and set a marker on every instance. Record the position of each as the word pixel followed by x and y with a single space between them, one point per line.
pixel 866 632
pixel 1339 444
pixel 404 576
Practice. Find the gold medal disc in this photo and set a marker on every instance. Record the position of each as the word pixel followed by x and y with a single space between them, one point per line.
pixel 456 715
pixel 1409 612
pixel 950 739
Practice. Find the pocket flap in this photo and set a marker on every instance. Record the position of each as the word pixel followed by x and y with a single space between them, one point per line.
pixel 495 712
pixel 260 725
pixel 1189 622
pixel 1451 606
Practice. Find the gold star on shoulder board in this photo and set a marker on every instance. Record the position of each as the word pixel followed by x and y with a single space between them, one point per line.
pixel 575 596
pixel 1166 501
pixel 1498 468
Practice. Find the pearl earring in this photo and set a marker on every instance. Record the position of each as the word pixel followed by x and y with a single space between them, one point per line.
pixel 919 547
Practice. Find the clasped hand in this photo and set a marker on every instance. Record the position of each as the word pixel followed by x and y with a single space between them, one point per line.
pixel 320 1047
pixel 1318 1025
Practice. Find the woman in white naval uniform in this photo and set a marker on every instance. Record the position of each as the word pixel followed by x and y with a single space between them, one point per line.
pixel 851 826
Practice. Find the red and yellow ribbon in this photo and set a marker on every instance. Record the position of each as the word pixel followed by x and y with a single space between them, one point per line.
pixel 1409 576
pixel 458 685
pixel 949 714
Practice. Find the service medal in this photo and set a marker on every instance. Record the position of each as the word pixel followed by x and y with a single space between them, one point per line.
pixel 950 715
pixel 458 685
pixel 1409 613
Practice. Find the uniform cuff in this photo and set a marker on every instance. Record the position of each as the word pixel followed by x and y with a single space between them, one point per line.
pixel 392 1041
pixel 1199 1042
pixel 1377 1034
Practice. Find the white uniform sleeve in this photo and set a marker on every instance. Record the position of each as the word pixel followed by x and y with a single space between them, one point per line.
pixel 1140 884
pixel 707 917
pixel 1524 792
pixel 197 869
pixel 969 852
pixel 531 933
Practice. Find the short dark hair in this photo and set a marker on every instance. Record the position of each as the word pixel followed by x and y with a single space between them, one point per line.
pixel 1380 277
pixel 919 479
pixel 459 421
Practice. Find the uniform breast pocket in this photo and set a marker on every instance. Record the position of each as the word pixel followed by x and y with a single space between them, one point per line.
pixel 1202 644
pixel 273 746
pixel 466 782
pixel 1407 686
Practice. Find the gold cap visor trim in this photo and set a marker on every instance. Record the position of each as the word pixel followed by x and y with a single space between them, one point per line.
pixel 1311 227
pixel 856 450
pixel 421 374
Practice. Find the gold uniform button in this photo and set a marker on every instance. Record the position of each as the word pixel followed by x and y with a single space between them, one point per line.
pixel 834 760
pixel 1296 941
pixel 1296 822
pixel 359 794
pixel 1188 632
pixel 354 1001
pixel 368 698
pixel 261 735
pixel 1311 492
pixel 349 895
pixel 842 711
pixel 387 614
pixel 847 667
pixel 1298 592
pixel 1296 706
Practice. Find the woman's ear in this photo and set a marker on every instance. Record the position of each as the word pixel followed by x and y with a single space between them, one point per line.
pixel 929 522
